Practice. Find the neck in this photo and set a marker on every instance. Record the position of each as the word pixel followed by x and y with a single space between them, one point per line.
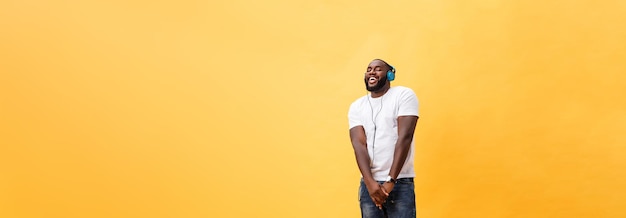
pixel 381 92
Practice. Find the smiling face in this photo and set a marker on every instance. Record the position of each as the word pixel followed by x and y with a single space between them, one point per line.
pixel 376 76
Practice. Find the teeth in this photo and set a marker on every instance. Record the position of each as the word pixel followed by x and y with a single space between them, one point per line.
pixel 372 78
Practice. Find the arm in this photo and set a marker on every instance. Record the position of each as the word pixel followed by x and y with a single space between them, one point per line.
pixel 357 137
pixel 406 129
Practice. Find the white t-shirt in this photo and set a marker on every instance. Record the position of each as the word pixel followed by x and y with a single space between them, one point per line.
pixel 379 118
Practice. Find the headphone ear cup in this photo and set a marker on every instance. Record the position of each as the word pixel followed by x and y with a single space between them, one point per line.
pixel 391 76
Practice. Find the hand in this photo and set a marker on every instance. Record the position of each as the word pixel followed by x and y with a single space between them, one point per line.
pixel 377 193
pixel 388 186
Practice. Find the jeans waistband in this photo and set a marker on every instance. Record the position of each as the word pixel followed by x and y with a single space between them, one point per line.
pixel 405 180
pixel 398 180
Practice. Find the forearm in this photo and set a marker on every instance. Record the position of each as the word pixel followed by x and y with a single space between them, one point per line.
pixel 375 190
pixel 400 154
pixel 359 143
pixel 406 129
pixel 363 162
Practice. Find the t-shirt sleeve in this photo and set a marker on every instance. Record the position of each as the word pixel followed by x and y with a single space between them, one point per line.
pixel 353 118
pixel 408 104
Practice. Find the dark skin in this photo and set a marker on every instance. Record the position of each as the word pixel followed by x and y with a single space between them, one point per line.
pixel 406 127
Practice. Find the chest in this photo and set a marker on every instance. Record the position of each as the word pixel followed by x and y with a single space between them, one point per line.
pixel 379 112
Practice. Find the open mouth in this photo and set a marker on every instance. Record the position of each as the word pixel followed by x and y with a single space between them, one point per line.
pixel 372 81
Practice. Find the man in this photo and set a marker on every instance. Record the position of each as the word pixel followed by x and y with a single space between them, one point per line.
pixel 382 124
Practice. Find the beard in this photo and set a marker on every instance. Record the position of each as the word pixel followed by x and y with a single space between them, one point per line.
pixel 379 85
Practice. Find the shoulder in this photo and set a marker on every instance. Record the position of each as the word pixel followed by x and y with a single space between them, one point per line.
pixel 402 91
pixel 358 102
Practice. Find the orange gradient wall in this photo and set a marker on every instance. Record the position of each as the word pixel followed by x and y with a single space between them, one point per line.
pixel 239 108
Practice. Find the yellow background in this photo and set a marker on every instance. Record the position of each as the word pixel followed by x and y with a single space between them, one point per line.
pixel 239 108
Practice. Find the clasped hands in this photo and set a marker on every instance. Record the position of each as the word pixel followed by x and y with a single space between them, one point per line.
pixel 379 192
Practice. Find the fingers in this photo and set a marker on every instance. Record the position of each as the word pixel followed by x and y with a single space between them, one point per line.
pixel 379 203
pixel 377 200
pixel 382 193
pixel 379 196
pixel 384 190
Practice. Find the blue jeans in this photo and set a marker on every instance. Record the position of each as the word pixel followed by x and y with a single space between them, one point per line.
pixel 399 204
